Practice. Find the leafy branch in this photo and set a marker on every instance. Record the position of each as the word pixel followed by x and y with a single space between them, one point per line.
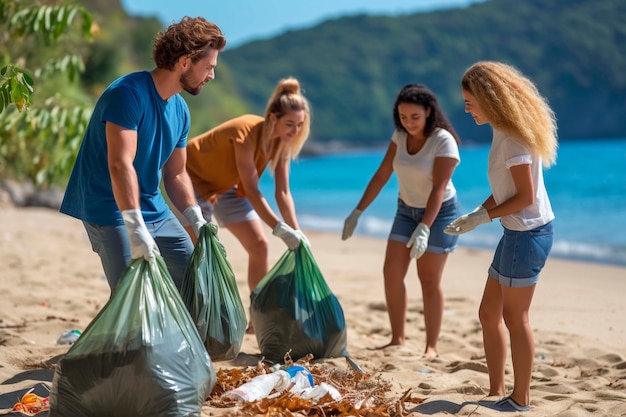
pixel 39 138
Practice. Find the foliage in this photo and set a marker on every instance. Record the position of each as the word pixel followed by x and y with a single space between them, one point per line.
pixel 48 23
pixel 38 136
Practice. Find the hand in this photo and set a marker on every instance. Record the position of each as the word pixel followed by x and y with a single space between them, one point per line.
pixel 303 238
pixel 193 214
pixel 287 234
pixel 468 221
pixel 350 224
pixel 419 241
pixel 141 242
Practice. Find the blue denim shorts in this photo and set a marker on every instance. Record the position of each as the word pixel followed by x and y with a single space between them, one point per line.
pixel 229 208
pixel 407 218
pixel 520 256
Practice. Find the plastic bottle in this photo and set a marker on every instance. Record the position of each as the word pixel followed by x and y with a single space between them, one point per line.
pixel 296 371
pixel 304 387
pixel 260 386
pixel 68 337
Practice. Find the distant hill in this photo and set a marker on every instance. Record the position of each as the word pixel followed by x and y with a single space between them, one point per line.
pixel 351 68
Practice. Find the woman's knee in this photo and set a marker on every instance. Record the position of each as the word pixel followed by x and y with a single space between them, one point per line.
pixel 488 316
pixel 257 246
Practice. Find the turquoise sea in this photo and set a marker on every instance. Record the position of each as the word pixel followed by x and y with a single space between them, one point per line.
pixel 587 189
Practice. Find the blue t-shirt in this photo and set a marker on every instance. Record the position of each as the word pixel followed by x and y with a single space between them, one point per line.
pixel 133 102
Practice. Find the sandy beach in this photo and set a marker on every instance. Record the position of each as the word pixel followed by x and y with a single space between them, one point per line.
pixel 53 282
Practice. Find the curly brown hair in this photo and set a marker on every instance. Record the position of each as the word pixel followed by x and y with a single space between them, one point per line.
pixel 192 36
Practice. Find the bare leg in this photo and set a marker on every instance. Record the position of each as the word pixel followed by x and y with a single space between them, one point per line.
pixel 494 338
pixel 252 237
pixel 430 271
pixel 396 265
pixel 516 305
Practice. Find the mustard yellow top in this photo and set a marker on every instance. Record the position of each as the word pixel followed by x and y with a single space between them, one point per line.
pixel 211 155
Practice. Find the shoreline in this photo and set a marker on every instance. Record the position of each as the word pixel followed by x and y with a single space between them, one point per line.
pixel 564 257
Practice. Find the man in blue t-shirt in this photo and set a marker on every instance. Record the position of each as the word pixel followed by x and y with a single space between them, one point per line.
pixel 137 137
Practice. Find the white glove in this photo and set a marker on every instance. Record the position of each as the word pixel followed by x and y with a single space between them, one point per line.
pixel 303 238
pixel 468 221
pixel 287 234
pixel 141 242
pixel 350 224
pixel 419 241
pixel 195 218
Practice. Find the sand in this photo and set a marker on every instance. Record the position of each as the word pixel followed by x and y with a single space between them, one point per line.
pixel 51 281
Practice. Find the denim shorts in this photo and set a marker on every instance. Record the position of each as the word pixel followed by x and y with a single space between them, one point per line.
pixel 229 208
pixel 407 219
pixel 520 256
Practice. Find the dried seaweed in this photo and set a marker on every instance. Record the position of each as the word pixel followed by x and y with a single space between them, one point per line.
pixel 361 395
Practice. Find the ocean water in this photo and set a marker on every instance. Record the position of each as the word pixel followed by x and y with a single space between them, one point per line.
pixel 587 189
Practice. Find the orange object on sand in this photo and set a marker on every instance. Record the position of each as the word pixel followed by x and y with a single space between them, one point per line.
pixel 31 403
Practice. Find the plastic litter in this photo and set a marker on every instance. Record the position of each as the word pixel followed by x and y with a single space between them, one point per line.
pixel 68 337
pixel 260 386
pixel 297 378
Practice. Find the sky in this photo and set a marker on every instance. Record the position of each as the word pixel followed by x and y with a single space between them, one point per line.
pixel 243 21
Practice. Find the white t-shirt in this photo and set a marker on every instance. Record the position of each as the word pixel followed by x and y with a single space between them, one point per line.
pixel 415 172
pixel 507 151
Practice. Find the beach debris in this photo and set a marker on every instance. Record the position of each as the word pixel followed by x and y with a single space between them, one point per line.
pixel 31 403
pixel 358 394
pixel 68 337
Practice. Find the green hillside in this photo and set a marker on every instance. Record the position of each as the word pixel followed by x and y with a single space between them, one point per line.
pixel 351 68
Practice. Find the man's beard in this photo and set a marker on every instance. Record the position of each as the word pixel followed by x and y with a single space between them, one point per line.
pixel 186 82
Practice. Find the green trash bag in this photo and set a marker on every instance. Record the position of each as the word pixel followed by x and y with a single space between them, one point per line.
pixel 140 356
pixel 209 291
pixel 293 308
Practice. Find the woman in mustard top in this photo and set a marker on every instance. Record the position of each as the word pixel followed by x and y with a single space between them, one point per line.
pixel 226 162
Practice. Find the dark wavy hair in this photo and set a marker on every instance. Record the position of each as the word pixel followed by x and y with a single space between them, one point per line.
pixel 192 36
pixel 422 96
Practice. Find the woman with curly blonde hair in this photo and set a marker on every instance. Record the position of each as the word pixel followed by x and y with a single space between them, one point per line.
pixel 524 139
pixel 226 162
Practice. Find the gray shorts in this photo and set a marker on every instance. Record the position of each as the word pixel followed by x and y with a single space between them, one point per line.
pixel 229 208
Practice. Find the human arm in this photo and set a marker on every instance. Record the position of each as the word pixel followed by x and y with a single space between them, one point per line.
pixel 249 178
pixel 523 197
pixel 121 151
pixel 282 194
pixel 524 193
pixel 180 189
pixel 376 183
pixel 443 168
pixel 284 198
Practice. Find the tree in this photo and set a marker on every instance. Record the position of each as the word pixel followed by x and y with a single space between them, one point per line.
pixel 39 137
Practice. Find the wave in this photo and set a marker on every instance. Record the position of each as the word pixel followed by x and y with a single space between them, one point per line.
pixel 485 237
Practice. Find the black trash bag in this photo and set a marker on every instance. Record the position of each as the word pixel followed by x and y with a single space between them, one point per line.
pixel 209 291
pixel 293 308
pixel 140 356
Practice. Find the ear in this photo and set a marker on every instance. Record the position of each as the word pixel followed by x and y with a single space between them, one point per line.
pixel 184 62
pixel 273 117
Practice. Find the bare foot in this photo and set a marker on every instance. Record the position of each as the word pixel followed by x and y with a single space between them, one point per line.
pixel 430 353
pixel 387 345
